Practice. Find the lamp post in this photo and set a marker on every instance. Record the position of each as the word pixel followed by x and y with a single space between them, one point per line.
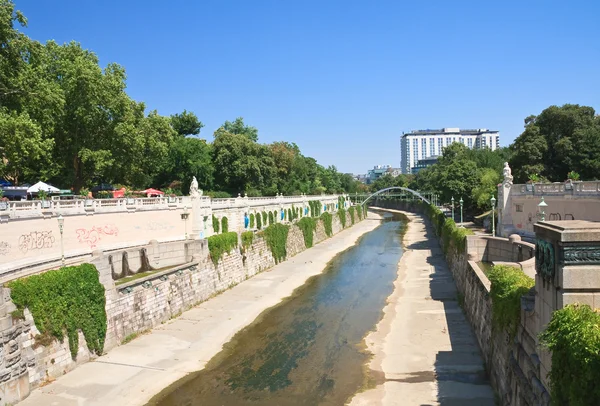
pixel 184 217
pixel 452 200
pixel 61 223
pixel 493 200
pixel 461 211
pixel 542 207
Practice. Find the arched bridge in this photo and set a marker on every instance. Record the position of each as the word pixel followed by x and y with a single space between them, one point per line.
pixel 405 189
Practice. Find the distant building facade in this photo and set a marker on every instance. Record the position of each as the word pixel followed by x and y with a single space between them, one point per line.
pixel 423 163
pixel 380 170
pixel 423 144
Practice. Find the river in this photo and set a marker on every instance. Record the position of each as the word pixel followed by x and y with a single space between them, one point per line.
pixel 309 349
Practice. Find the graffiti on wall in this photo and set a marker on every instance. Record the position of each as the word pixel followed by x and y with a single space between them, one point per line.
pixel 36 240
pixel 4 248
pixel 156 225
pixel 93 235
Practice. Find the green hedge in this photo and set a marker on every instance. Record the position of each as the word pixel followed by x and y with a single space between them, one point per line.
pixel 308 225
pixel 327 219
pixel 508 285
pixel 215 222
pixel 63 301
pixel 224 225
pixel 220 244
pixel 573 336
pixel 276 237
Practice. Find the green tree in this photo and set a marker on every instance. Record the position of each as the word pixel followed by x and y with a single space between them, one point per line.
pixel 485 188
pixel 188 157
pixel 529 151
pixel 186 123
pixel 238 127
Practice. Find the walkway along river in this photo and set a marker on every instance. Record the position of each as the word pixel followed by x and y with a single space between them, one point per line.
pixel 308 350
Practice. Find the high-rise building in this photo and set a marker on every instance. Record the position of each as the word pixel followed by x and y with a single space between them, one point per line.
pixel 422 144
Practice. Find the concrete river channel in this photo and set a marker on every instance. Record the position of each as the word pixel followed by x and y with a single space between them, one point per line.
pixel 309 349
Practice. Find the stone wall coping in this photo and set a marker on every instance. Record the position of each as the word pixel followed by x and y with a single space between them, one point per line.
pixel 157 275
pixel 569 230
pixel 485 282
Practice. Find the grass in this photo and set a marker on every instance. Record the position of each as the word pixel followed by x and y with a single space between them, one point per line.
pixel 133 336
pixel 142 275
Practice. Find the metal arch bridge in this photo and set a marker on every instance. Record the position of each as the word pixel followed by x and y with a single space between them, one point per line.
pixel 404 189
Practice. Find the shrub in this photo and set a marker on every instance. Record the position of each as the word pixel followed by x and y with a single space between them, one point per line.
pixel 251 220
pixel 258 221
pixel 224 224
pixel 573 336
pixel 218 195
pixel 215 222
pixel 220 244
pixel 276 237
pixel 308 226
pixel 247 239
pixel 271 219
pixel 351 212
pixel 342 215
pixel 63 301
pixel 508 285
pixel 573 175
pixel 327 219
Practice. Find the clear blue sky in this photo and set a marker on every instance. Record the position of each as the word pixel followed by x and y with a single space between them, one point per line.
pixel 342 79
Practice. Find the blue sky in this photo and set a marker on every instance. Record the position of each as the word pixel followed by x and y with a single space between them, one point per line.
pixel 342 79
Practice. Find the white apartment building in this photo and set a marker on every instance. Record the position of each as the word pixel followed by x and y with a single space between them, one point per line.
pixel 422 144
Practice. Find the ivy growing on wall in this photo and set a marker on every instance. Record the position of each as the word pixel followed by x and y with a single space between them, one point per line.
pixel 315 208
pixel 63 301
pixel 508 285
pixel 289 212
pixel 308 226
pixel 275 216
pixel 327 219
pixel 251 220
pixel 224 224
pixel 276 237
pixel 342 215
pixel 220 244
pixel 351 212
pixel 359 212
pixel 573 336
pixel 247 239
pixel 215 222
pixel 258 221
pixel 341 201
pixel 265 218
pixel 270 217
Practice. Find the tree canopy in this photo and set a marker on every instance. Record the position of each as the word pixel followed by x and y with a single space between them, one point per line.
pixel 65 119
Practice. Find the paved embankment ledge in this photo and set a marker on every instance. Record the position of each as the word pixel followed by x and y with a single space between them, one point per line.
pixel 424 352
pixel 132 373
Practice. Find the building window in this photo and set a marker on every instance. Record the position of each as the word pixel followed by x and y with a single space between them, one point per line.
pixel 470 142
pixel 448 141
pixel 519 208
pixel 423 147
pixel 431 147
pixel 440 145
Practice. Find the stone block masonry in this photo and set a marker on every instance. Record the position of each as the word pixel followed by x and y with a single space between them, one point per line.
pixel 139 305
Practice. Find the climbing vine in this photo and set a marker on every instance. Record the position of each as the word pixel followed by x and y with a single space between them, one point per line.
pixel 215 222
pixel 327 219
pixel 247 239
pixel 276 237
pixel 315 208
pixel 359 212
pixel 251 220
pixel 308 225
pixel 351 212
pixel 258 221
pixel 341 201
pixel 220 244
pixel 508 285
pixel 289 213
pixel 265 218
pixel 573 336
pixel 224 224
pixel 271 217
pixel 65 300
pixel 342 215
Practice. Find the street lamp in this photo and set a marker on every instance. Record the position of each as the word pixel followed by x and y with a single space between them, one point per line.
pixel 493 200
pixel 542 207
pixel 184 217
pixel 61 223
pixel 452 200
pixel 461 211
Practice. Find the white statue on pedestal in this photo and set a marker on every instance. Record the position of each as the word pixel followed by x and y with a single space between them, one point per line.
pixel 508 178
pixel 194 191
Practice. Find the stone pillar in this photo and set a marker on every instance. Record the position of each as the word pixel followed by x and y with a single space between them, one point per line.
pixel 567 264
pixel 505 223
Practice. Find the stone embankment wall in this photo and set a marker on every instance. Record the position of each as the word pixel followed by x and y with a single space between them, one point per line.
pixel 513 365
pixel 135 306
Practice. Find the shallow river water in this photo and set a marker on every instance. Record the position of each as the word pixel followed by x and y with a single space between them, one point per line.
pixel 308 350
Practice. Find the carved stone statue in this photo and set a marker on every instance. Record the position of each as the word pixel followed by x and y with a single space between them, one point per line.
pixel 194 191
pixel 508 178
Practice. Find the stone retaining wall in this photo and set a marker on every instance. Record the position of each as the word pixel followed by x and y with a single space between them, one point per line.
pixel 136 306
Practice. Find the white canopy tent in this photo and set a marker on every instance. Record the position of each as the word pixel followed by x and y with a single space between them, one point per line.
pixel 42 186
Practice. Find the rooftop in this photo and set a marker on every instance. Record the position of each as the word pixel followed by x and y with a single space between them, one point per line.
pixel 448 130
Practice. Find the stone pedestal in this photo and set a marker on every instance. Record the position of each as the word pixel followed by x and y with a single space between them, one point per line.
pixel 567 270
